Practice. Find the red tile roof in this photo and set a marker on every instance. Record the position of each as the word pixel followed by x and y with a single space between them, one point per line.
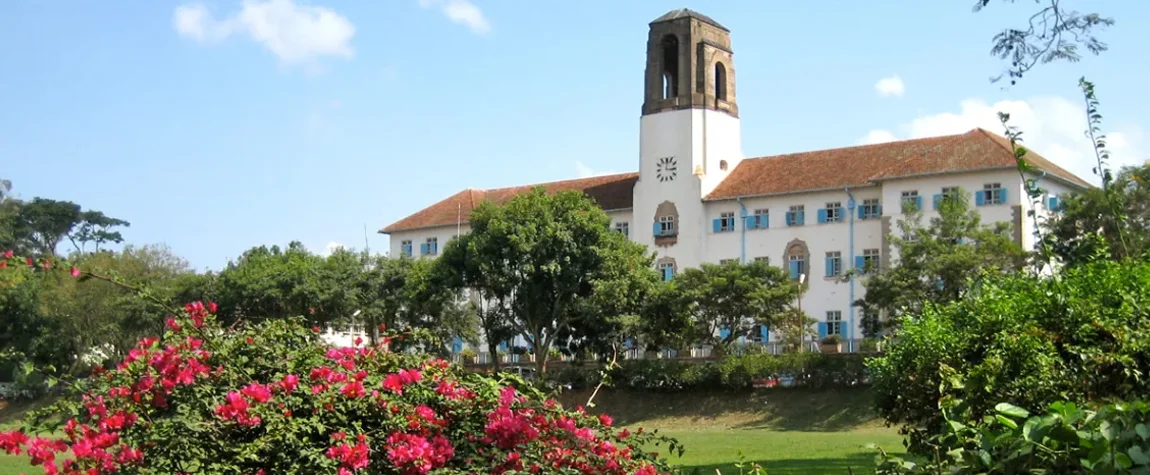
pixel 866 164
pixel 862 165
pixel 609 191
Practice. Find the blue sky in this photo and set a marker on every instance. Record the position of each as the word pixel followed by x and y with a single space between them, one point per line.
pixel 215 126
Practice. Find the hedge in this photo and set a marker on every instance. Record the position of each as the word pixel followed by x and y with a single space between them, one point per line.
pixel 732 372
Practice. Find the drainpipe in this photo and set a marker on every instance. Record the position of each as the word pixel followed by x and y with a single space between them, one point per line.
pixel 743 231
pixel 851 303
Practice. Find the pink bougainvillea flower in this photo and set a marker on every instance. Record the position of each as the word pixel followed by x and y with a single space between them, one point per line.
pixel 9 253
pixel 75 272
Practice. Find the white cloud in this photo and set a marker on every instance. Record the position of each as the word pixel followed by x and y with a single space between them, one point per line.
pixel 1052 126
pixel 297 34
pixel 890 86
pixel 877 136
pixel 462 12
pixel 332 247
pixel 585 171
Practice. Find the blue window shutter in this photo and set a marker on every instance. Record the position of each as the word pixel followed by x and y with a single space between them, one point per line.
pixel 794 269
pixel 657 229
pixel 918 202
pixel 457 345
pixel 878 209
pixel 765 332
pixel 716 224
pixel 1002 195
pixel 667 273
pixel 937 200
pixel 860 263
pixel 790 218
pixel 980 198
pixel 434 247
pixel 830 264
pixel 822 215
pixel 749 222
pixel 724 333
pixel 764 221
pixel 802 217
pixel 503 346
pixel 1051 202
pixel 822 330
pixel 843 329
pixel 423 249
pixel 862 214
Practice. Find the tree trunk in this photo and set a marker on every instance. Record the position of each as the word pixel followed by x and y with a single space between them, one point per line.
pixel 540 354
pixel 493 352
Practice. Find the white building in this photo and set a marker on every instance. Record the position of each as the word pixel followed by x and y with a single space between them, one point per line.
pixel 696 198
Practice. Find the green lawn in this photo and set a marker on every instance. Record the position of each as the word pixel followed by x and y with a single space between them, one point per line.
pixel 783 453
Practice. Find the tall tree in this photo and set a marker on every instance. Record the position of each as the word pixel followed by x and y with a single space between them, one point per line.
pixel 457 269
pixel 729 299
pixel 541 254
pixel 1085 227
pixel 938 262
pixel 1052 33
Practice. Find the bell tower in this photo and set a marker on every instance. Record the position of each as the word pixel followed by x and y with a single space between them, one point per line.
pixel 690 137
pixel 689 64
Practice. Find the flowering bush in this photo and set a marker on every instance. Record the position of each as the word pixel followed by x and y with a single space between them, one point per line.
pixel 272 398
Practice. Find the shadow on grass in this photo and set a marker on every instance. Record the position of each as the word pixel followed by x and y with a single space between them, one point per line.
pixel 857 463
pixel 797 409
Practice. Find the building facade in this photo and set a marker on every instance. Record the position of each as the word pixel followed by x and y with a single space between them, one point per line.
pixel 697 199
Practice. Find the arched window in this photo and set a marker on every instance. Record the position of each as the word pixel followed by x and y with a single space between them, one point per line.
pixel 670 75
pixel 720 81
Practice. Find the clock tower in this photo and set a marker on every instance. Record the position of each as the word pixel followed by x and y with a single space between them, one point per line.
pixel 689 134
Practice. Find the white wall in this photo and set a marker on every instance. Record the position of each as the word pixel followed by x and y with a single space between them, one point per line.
pixel 419 236
pixel 696 138
pixel 824 294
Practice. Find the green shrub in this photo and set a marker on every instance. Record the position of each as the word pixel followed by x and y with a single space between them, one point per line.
pixel 1081 336
pixel 1065 440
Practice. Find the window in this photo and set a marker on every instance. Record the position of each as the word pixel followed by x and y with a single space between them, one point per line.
pixel 947 191
pixel 992 194
pixel 668 270
pixel 796 216
pixel 405 248
pixel 430 247
pixel 670 58
pixel 798 264
pixel 665 226
pixel 723 165
pixel 720 81
pixel 911 201
pixel 760 334
pixel 725 223
pixel 834 263
pixel 623 227
pixel 833 213
pixel 763 259
pixel 834 322
pixel 1054 203
pixel 759 220
pixel 724 262
pixel 870 209
pixel 868 261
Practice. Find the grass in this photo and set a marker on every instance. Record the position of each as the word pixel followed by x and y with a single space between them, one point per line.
pixel 788 431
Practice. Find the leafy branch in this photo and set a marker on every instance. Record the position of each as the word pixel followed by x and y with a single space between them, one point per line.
pixel 1102 155
pixel 1051 34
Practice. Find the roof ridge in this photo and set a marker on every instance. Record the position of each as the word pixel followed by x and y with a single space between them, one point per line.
pixel 569 180
pixel 861 146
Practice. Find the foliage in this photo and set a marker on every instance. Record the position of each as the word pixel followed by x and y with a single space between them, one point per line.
pixel 939 262
pixel 36 227
pixel 1081 336
pixel 271 398
pixel 794 328
pixel 731 372
pixel 1066 439
pixel 1112 222
pixel 735 297
pixel 1053 33
pixel 546 258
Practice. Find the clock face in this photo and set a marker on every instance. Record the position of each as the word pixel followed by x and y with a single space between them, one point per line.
pixel 665 168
